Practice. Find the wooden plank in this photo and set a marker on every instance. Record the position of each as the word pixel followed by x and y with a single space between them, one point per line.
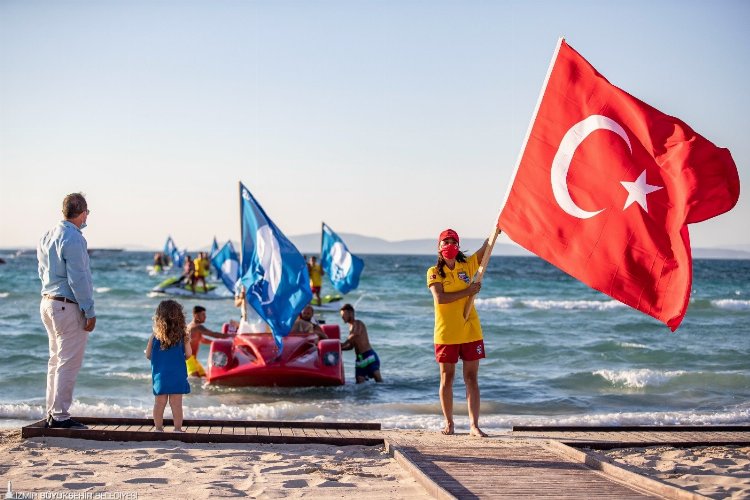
pixel 630 428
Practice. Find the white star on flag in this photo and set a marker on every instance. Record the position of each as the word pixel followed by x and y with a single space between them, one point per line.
pixel 638 190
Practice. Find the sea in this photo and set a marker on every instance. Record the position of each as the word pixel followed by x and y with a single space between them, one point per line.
pixel 558 352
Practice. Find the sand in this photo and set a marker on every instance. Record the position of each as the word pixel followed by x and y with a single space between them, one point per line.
pixel 713 471
pixel 172 469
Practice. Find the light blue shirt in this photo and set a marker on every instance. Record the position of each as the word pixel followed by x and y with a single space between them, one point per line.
pixel 64 266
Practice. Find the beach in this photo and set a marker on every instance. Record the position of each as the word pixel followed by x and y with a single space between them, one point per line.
pixel 173 469
pixel 712 471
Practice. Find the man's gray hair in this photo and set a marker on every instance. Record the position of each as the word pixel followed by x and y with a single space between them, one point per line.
pixel 74 205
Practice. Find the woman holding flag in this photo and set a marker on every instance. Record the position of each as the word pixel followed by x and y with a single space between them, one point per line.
pixel 450 282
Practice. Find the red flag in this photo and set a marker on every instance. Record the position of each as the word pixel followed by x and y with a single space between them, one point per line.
pixel 605 187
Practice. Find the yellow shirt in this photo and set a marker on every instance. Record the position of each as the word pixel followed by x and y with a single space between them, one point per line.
pixel 316 275
pixel 200 267
pixel 450 327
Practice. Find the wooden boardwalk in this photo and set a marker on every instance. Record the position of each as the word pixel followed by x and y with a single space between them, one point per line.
pixel 217 431
pixel 604 438
pixel 506 469
pixel 528 462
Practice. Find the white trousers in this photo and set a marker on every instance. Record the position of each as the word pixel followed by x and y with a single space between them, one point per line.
pixel 67 343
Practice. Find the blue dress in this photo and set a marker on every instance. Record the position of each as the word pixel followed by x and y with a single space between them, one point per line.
pixel 168 369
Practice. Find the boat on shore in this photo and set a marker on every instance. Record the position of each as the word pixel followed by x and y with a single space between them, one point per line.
pixel 254 360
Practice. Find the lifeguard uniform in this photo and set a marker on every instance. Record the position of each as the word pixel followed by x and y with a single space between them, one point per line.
pixel 453 336
pixel 316 278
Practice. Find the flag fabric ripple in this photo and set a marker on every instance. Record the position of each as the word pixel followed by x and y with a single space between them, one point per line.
pixel 342 267
pixel 227 264
pixel 605 186
pixel 273 271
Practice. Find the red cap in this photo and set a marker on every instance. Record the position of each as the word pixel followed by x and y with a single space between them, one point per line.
pixel 448 233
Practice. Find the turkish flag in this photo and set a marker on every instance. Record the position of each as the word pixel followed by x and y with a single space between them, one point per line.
pixel 605 186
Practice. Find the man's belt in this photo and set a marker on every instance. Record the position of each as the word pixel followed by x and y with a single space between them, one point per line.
pixel 61 299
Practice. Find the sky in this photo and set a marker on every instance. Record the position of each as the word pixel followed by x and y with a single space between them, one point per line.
pixel 393 119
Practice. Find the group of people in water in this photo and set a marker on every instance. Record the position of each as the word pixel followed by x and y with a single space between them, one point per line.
pixel 193 270
pixel 67 312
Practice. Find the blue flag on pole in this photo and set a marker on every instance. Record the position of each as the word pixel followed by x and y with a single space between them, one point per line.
pixel 227 264
pixel 170 249
pixel 211 253
pixel 342 267
pixel 273 271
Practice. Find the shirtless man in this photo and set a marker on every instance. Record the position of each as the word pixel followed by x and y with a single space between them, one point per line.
pixel 197 332
pixel 367 364
pixel 305 323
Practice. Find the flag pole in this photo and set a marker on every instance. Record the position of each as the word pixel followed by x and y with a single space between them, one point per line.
pixel 243 304
pixel 482 267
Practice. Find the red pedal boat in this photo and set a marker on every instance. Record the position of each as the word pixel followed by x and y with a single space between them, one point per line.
pixel 253 360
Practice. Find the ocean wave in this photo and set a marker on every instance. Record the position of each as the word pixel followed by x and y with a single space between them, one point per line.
pixel 597 305
pixel 494 303
pixel 4 295
pixel 638 379
pixel 632 345
pixel 131 376
pixel 426 417
pixel 733 304
pixel 509 302
pixel 102 289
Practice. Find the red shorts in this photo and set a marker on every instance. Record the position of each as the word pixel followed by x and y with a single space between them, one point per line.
pixel 449 353
pixel 315 289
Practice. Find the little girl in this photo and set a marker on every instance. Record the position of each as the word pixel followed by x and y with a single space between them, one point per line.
pixel 168 348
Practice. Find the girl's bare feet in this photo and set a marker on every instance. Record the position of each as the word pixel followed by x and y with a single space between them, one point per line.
pixel 158 429
pixel 477 432
pixel 448 429
pixel 177 429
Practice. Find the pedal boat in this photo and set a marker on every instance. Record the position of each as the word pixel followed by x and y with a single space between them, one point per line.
pixel 254 360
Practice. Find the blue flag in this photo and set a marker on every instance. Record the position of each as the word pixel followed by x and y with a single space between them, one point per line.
pixel 342 267
pixel 227 264
pixel 170 249
pixel 273 271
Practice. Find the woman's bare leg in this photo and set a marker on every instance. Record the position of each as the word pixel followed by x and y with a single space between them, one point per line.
pixel 447 374
pixel 471 379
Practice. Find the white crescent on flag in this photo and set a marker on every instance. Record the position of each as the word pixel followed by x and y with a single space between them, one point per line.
pixel 561 162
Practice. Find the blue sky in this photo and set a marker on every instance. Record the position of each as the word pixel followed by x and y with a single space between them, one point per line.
pixel 383 118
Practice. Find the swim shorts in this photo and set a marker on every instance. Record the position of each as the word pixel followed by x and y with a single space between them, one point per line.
pixel 449 353
pixel 367 364
pixel 194 367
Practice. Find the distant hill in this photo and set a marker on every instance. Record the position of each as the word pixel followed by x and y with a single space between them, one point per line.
pixel 720 253
pixel 310 244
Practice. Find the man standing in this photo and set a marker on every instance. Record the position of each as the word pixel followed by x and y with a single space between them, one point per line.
pixel 367 364
pixel 67 307
pixel 197 333
pixel 316 278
